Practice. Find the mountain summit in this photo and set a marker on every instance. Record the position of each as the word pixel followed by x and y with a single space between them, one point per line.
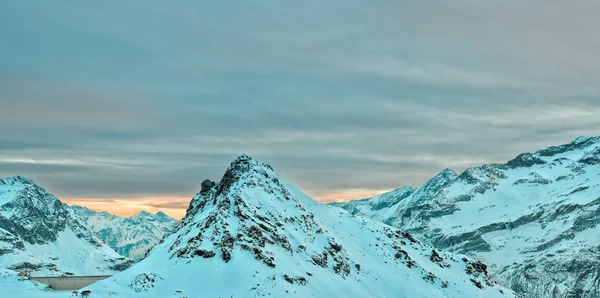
pixel 38 234
pixel 253 234
pixel 534 220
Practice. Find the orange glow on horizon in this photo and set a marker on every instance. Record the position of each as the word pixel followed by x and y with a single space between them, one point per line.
pixel 172 206
pixel 176 206
pixel 348 195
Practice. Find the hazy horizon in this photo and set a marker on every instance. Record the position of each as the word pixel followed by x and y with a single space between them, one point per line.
pixel 176 206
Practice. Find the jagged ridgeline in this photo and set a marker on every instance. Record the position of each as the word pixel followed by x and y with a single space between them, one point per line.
pixel 253 235
pixel 131 237
pixel 535 219
pixel 39 235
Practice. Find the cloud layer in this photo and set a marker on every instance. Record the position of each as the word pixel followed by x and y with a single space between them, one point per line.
pixel 144 99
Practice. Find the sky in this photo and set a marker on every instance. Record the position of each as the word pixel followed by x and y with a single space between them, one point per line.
pixel 129 105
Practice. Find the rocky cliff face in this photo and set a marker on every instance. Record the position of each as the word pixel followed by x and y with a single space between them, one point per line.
pixel 534 220
pixel 38 234
pixel 253 234
pixel 131 236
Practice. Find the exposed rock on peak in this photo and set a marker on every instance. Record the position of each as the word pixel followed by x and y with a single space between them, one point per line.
pixel 447 174
pixel 207 185
pixel 244 167
pixel 587 140
pixel 525 160
pixel 14 180
pixel 274 240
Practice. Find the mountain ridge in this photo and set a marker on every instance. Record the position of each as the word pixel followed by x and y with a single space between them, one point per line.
pixel 39 235
pixel 131 236
pixel 528 218
pixel 259 230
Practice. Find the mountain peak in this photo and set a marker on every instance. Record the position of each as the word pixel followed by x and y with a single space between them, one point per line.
pixel 447 173
pixel 280 242
pixel 244 167
pixel 584 139
pixel 14 180
pixel 243 158
pixel 440 180
pixel 161 216
pixel 143 213
pixel 245 163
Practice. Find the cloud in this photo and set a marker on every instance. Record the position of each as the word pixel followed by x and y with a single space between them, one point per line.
pixel 342 98
pixel 169 205
pixel 172 206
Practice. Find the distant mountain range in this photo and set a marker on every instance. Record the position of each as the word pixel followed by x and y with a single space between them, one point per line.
pixel 39 235
pixel 535 219
pixel 131 236
pixel 255 235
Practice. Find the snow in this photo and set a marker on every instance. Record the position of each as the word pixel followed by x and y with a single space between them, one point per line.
pixel 285 211
pixel 278 231
pixel 131 236
pixel 10 187
pixel 540 215
pixel 40 236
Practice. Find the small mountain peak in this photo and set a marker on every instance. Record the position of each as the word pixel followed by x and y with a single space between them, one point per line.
pixel 14 180
pixel 245 163
pixel 584 139
pixel 581 143
pixel 244 167
pixel 448 173
pixel 162 216
pixel 243 159
pixel 442 177
pixel 143 213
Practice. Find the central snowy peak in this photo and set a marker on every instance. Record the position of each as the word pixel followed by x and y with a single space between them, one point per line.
pixel 253 234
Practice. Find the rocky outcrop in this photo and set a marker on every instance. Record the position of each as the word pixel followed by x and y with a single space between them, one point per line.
pixel 207 185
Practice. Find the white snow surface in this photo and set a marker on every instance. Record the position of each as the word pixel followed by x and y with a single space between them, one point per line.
pixel 534 220
pixel 39 235
pixel 256 235
pixel 131 236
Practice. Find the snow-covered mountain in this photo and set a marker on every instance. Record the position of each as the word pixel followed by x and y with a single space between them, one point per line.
pixel 535 220
pixel 131 236
pixel 38 234
pixel 255 235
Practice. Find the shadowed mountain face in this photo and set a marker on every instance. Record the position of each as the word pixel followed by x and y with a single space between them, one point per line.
pixel 38 234
pixel 253 234
pixel 535 220
pixel 131 237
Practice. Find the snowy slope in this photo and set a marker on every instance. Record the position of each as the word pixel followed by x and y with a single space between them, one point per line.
pixel 255 235
pixel 14 286
pixel 131 236
pixel 534 220
pixel 38 234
